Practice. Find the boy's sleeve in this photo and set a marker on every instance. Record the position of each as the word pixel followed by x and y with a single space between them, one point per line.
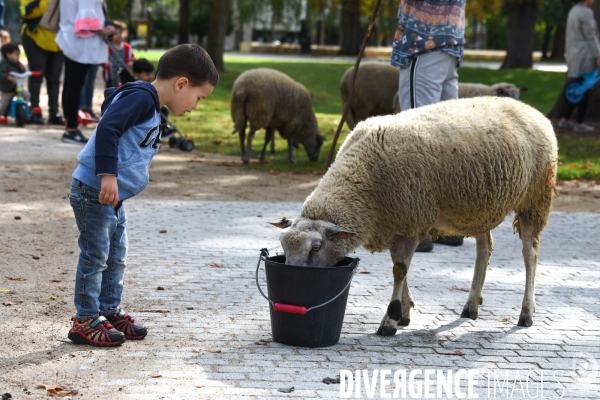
pixel 127 111
pixel 30 9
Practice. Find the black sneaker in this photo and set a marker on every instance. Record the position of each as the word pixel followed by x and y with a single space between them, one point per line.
pixel 74 137
pixel 124 323
pixel 450 240
pixel 36 119
pixel 425 246
pixel 56 120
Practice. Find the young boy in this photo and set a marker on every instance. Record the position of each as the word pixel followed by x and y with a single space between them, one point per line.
pixel 120 55
pixel 8 86
pixel 113 166
pixel 143 70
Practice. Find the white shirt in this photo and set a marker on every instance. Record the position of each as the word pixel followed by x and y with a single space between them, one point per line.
pixel 78 43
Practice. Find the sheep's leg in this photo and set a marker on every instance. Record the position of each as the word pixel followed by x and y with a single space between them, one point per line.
pixel 291 150
pixel 398 312
pixel 531 244
pixel 273 142
pixel 242 135
pixel 482 260
pixel 269 137
pixel 248 151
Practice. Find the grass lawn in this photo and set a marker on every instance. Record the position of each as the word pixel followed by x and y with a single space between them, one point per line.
pixel 210 126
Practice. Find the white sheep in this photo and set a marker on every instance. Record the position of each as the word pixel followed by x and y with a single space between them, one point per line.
pixel 454 168
pixel 269 99
pixel 501 89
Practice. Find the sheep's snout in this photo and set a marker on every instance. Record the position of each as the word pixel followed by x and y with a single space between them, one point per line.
pixel 315 150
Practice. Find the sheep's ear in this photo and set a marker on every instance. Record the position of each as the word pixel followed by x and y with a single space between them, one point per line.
pixel 500 91
pixel 336 232
pixel 283 223
pixel 523 89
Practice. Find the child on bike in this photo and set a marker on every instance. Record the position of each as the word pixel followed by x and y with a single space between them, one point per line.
pixel 8 85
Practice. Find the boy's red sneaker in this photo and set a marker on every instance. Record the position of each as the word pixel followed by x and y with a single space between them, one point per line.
pixel 124 323
pixel 95 332
pixel 3 120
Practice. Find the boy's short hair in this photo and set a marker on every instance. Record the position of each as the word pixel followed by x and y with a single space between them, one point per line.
pixel 120 25
pixel 190 61
pixel 8 49
pixel 142 65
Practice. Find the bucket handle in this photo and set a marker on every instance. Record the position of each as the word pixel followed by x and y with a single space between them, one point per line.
pixel 290 308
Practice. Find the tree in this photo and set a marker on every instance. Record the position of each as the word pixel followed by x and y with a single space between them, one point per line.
pixel 184 21
pixel 593 112
pixel 350 43
pixel 217 28
pixel 522 16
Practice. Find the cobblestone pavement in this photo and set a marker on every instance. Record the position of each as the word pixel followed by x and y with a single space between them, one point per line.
pixel 210 329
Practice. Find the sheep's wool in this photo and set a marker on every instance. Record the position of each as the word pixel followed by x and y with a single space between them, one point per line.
pixel 469 162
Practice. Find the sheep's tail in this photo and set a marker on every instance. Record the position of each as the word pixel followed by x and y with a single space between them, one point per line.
pixel 238 111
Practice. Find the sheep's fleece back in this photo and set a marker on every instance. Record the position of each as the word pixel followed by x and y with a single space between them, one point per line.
pixel 469 162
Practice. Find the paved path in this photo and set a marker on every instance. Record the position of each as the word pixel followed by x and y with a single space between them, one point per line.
pixel 210 329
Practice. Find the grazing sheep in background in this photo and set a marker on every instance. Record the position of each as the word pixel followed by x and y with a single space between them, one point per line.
pixel 269 99
pixel 376 91
pixel 502 89
pixel 454 168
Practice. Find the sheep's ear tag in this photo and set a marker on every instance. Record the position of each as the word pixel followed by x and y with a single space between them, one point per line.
pixel 337 232
pixel 499 91
pixel 523 89
pixel 283 223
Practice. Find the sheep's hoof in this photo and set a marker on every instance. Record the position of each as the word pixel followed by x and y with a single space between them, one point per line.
pixel 525 321
pixel 385 330
pixel 404 322
pixel 468 313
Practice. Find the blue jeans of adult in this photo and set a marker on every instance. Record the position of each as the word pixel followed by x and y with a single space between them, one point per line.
pixel 102 261
pixel 87 93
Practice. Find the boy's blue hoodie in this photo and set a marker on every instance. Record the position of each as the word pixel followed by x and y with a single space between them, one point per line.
pixel 125 140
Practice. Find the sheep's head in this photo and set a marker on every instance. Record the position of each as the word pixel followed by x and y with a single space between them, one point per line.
pixel 312 243
pixel 504 89
pixel 313 147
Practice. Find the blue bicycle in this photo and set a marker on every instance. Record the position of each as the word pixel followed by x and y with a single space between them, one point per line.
pixel 575 91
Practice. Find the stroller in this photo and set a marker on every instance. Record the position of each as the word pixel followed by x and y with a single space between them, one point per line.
pixel 172 133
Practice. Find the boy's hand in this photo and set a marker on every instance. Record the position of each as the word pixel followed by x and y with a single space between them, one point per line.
pixel 22 67
pixel 12 80
pixel 109 191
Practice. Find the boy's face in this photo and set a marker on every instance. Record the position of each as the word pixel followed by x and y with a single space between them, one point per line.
pixel 117 37
pixel 144 76
pixel 186 97
pixel 13 57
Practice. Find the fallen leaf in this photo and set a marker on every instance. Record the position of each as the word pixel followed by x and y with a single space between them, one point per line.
pixel 461 289
pixel 62 288
pixel 162 231
pixel 364 271
pixel 198 386
pixel 214 264
pixel 456 353
pixel 55 280
pixel 5 291
pixel 390 387
pixel 51 297
pixel 17 217
pixel 506 319
pixel 214 350
pixel 286 390
pixel 35 257
pixel 12 303
pixel 10 190
pixel 15 279
pixel 155 375
pixel 362 348
pixel 329 381
pixel 160 288
pixel 57 390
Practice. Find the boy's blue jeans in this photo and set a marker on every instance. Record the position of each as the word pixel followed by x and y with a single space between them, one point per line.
pixel 103 244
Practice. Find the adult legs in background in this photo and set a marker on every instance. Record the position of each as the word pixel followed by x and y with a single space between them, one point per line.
pixel 74 80
pixel 87 93
pixel 580 116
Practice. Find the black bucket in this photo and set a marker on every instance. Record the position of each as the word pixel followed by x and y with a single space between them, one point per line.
pixel 307 304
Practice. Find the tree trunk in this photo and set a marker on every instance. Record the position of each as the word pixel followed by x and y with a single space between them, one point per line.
pixel 217 28
pixel 593 111
pixel 558 47
pixel 350 42
pixel 521 22
pixel 184 21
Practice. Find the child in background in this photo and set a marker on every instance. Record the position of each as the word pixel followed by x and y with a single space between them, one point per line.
pixel 8 85
pixel 120 55
pixel 143 70
pixel 113 166
pixel 4 36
